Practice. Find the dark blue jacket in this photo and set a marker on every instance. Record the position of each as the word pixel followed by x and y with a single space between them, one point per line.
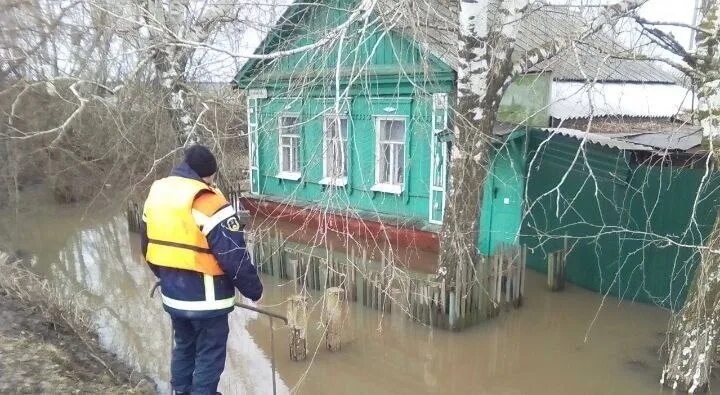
pixel 230 251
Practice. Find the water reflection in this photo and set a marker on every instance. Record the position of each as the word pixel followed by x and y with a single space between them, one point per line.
pixel 537 349
pixel 102 260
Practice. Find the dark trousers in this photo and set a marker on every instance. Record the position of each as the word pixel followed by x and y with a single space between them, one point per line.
pixel 198 356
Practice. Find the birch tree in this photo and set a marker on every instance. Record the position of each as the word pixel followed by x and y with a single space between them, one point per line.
pixel 694 330
pixel 170 26
pixel 488 64
pixel 486 48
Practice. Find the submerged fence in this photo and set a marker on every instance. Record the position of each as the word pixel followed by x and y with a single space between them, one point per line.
pixel 493 284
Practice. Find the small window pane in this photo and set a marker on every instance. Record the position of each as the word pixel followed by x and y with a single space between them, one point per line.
pixel 399 170
pixel 295 166
pixel 289 121
pixel 289 125
pixel 335 146
pixel 392 130
pixel 336 159
pixel 386 171
pixel 343 128
pixel 440 123
pixel 439 166
pixel 397 131
pixel 286 158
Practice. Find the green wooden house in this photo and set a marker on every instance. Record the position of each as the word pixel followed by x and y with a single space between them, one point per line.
pixel 356 122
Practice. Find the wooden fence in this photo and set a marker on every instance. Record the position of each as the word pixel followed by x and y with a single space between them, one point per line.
pixel 493 284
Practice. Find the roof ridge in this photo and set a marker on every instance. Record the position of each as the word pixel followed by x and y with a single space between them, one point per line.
pixel 439 26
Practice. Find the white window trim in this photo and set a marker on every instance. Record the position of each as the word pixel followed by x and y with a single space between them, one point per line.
pixel 253 159
pixel 388 188
pixel 288 175
pixel 439 101
pixel 337 180
pixel 395 189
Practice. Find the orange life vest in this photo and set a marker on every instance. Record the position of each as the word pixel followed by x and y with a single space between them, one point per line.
pixel 174 238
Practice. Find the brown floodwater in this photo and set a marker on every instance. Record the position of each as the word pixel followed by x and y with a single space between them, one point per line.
pixel 571 342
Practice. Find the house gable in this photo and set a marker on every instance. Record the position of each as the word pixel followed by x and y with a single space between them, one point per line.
pixel 368 49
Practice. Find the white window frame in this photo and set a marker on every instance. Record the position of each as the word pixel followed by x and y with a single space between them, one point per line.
pixel 439 102
pixel 331 179
pixel 282 173
pixel 379 186
pixel 253 157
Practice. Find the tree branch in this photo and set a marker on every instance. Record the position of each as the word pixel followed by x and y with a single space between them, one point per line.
pixel 609 16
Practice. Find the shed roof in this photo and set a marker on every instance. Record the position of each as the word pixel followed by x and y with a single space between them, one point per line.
pixel 661 139
pixel 434 24
pixel 678 138
pixel 601 139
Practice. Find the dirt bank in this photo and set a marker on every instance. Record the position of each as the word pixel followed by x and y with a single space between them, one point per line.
pixel 46 347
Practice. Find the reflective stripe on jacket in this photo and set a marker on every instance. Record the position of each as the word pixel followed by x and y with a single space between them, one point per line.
pixel 194 295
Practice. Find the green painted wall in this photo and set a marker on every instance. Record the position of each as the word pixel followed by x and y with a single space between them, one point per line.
pixel 501 214
pixel 618 216
pixel 412 204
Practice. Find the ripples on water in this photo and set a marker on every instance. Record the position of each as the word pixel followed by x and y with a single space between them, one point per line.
pixel 537 349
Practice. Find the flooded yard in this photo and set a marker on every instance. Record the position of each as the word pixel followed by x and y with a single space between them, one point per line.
pixel 556 343
pixel 549 346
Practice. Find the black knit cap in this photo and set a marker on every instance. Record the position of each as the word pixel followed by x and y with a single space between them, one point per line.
pixel 201 160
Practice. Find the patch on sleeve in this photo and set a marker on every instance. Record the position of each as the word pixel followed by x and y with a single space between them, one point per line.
pixel 232 224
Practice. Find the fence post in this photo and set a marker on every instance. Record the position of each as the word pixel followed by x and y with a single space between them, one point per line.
pixel 333 318
pixel 556 268
pixel 297 321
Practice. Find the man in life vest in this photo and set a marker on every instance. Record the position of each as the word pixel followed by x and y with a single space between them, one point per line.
pixel 193 240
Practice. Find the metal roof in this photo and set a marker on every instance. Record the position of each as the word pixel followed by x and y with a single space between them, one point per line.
pixel 666 138
pixel 681 138
pixel 434 25
pixel 669 138
pixel 600 139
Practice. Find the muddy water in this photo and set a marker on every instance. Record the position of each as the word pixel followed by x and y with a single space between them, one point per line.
pixel 557 343
pixel 90 255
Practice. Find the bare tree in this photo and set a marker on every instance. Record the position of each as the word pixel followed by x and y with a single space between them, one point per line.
pixel 488 65
pixel 693 339
pixel 95 86
pixel 170 26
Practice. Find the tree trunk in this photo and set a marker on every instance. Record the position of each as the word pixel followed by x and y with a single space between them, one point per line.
pixel 177 101
pixel 170 70
pixel 694 330
pixel 485 66
pixel 173 20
